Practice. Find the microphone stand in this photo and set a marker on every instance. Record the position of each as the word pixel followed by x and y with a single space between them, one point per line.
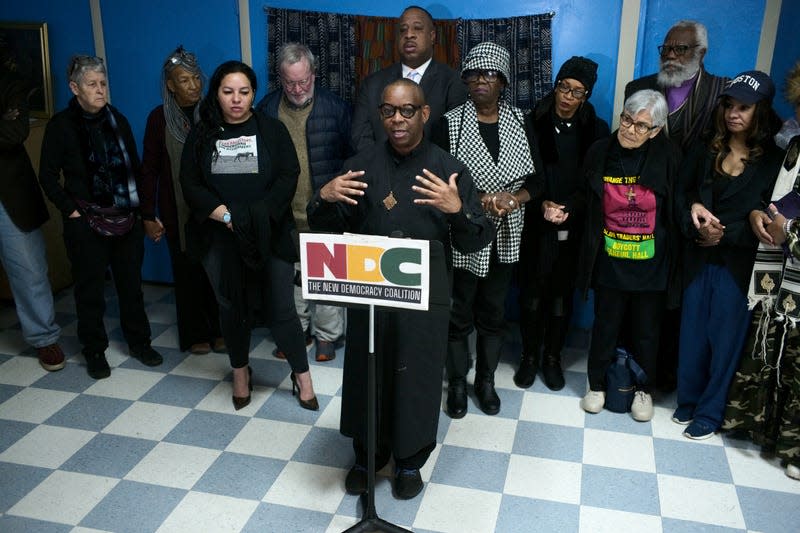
pixel 370 522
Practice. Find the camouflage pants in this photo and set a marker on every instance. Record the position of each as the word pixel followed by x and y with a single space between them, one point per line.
pixel 765 402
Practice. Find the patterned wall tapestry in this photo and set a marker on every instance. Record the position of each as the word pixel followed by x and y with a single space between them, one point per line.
pixel 349 47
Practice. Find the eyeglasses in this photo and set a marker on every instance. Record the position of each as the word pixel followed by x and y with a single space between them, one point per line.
pixel 679 49
pixel 301 84
pixel 81 61
pixel 626 121
pixel 406 111
pixel 564 88
pixel 471 76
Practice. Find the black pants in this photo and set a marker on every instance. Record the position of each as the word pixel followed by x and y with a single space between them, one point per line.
pixel 644 310
pixel 235 296
pixel 478 303
pixel 383 451
pixel 195 304
pixel 91 255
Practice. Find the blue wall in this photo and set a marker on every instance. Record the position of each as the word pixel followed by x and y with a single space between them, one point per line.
pixel 138 37
pixel 787 52
pixel 69 28
pixel 729 52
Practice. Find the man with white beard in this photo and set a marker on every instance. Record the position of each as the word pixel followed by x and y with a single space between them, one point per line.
pixel 691 92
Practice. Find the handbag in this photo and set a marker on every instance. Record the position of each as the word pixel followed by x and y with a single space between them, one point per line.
pixel 622 377
pixel 107 221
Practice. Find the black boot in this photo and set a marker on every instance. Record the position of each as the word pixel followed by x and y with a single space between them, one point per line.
pixel 488 355
pixel 551 372
pixel 531 328
pixel 526 373
pixel 456 397
pixel 488 400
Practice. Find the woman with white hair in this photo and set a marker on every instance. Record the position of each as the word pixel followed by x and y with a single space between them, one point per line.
pixel 92 145
pixel 627 252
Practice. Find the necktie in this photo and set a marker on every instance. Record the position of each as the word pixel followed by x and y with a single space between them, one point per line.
pixel 413 76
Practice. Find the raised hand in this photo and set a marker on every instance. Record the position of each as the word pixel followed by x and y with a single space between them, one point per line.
pixel 439 194
pixel 345 188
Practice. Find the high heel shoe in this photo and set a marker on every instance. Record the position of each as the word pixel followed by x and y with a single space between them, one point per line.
pixel 311 405
pixel 240 402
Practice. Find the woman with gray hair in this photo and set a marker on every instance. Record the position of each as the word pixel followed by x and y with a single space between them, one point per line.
pixel 91 143
pixel 163 208
pixel 629 244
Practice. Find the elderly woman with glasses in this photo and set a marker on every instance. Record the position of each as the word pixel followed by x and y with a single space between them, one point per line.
pixel 724 181
pixel 566 126
pixel 164 210
pixel 90 143
pixel 488 135
pixel 627 251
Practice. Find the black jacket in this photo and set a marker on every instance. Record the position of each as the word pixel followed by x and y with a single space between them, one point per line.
pixel 280 182
pixel 19 191
pixel 539 237
pixel 327 132
pixel 64 149
pixel 659 173
pixel 443 90
pixel 751 190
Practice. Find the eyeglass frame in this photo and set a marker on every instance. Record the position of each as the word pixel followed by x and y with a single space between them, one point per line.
pixel 679 49
pixel 636 125
pixel 566 89
pixel 300 84
pixel 400 109
pixel 490 75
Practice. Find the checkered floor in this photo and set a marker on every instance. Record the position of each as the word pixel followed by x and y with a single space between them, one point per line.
pixel 163 450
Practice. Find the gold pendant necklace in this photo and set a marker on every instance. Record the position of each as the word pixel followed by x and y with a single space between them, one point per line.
pixel 390 201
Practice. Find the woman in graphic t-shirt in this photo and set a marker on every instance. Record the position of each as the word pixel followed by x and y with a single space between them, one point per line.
pixel 626 252
pixel 239 173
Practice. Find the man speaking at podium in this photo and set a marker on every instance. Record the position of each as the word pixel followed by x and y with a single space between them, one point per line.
pixel 405 187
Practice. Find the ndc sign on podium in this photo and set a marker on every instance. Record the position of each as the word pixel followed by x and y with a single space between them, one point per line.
pixel 365 269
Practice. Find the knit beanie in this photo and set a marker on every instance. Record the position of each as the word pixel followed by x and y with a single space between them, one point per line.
pixel 579 68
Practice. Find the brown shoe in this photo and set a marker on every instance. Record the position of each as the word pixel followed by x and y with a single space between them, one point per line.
pixel 220 346
pixel 325 351
pixel 51 357
pixel 200 348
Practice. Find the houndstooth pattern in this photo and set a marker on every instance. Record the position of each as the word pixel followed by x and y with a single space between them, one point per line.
pixel 513 166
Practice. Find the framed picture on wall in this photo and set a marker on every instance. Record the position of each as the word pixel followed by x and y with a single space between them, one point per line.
pixel 24 55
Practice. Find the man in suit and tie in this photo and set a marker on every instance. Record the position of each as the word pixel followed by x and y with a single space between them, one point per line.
pixel 441 84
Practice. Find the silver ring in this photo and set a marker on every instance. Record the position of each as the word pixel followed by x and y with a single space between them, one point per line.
pixel 511 203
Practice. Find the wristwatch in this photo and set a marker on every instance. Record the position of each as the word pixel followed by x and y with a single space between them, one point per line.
pixel 226 217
